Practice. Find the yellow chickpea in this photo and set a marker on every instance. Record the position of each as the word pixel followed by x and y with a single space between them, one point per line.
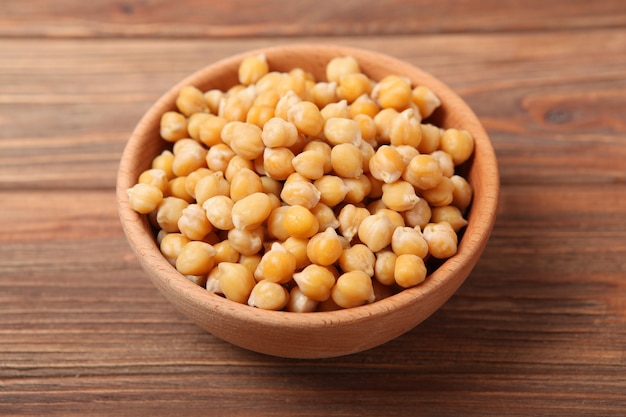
pixel 364 105
pixel 218 210
pixel 288 193
pixel 353 86
pixel 409 270
pixel 244 139
pixel 409 240
pixel 423 172
pixel 332 189
pixel 350 218
pixel 325 248
pixel 399 195
pixel 462 193
pixel 171 245
pixel 323 148
pixel 247 241
pixel 383 121
pixel 358 189
pixel 376 231
pixel 298 247
pixel 144 198
pixel 164 162
pixel 393 92
pixel 347 160
pixel 268 295
pixel 191 100
pixel 384 267
pixel 387 164
pixel 277 162
pixel 277 265
pixel 338 130
pixel 441 194
pixel 323 93
pixel 307 118
pixel 430 138
pixel 195 258
pixel 210 186
pixel 275 228
pixel 252 68
pixel 458 143
pixel 298 190
pixel 405 129
pixel 315 282
pixel 338 110
pixel 173 126
pixel 367 126
pixel 244 183
pixel 341 66
pixel 299 222
pixel 442 239
pixel 309 164
pixel 194 122
pixel 236 281
pixel 425 99
pixel 193 222
pixel 236 164
pixel 168 212
pixel 353 289
pixel 419 215
pixel 189 158
pixel 251 211
pixel 278 132
pixel 325 216
pixel 300 303
pixel 224 252
pixel 450 214
pixel 358 258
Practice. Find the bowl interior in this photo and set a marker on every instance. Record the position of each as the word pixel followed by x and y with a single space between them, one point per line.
pixel 320 334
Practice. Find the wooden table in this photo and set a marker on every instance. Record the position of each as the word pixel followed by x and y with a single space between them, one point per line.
pixel 539 328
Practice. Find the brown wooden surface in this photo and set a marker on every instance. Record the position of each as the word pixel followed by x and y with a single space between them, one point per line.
pixel 539 328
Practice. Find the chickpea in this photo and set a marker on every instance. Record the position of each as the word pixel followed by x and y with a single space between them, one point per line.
pixel 347 160
pixel 196 258
pixel 341 66
pixel 458 143
pixel 285 192
pixel 324 248
pixel 144 198
pixel 441 238
pixel 173 126
pixel 191 100
pixel 353 289
pixel 277 265
pixel 252 68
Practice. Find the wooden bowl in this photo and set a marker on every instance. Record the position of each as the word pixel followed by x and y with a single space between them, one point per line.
pixel 319 334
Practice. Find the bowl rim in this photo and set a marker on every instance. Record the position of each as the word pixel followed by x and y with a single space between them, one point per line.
pixel 476 234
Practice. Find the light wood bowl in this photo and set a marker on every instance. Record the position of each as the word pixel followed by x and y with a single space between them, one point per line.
pixel 320 334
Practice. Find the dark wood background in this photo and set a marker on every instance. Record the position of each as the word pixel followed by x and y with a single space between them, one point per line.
pixel 539 328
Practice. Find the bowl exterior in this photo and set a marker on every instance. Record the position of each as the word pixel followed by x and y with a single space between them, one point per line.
pixel 322 334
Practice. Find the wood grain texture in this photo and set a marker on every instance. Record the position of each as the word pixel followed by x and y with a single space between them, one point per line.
pixel 539 328
pixel 527 88
pixel 246 18
pixel 541 315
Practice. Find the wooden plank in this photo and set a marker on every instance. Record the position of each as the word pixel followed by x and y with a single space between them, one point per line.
pixel 72 261
pixel 32 216
pixel 299 394
pixel 247 18
pixel 549 115
pixel 538 328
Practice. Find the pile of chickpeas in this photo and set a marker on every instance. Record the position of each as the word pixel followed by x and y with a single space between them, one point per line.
pixel 290 193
